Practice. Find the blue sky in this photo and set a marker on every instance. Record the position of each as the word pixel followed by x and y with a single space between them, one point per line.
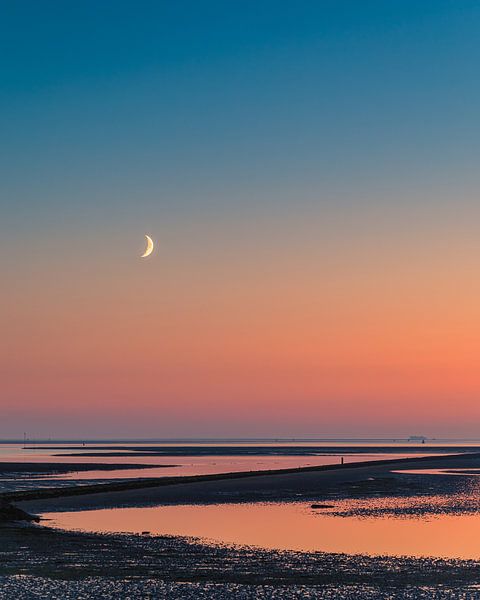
pixel 271 148
pixel 102 101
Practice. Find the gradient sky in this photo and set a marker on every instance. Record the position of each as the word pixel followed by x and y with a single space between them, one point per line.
pixel 309 171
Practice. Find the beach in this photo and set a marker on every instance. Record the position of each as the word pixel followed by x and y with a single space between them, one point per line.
pixel 99 566
pixel 309 482
pixel 68 563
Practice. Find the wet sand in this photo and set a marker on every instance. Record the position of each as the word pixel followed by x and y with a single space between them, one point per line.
pixel 266 449
pixel 62 564
pixel 287 484
pixel 41 553
pixel 45 468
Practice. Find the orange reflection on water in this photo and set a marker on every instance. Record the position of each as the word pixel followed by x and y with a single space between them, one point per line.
pixel 211 465
pixel 291 527
pixel 463 471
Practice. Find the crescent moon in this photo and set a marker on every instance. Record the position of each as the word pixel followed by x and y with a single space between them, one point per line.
pixel 149 248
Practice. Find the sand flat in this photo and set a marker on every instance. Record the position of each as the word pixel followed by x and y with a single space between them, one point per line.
pixel 237 487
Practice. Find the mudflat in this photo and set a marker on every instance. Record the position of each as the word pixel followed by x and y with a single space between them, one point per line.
pixel 287 484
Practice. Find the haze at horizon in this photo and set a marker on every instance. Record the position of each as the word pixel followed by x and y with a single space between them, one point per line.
pixel 309 176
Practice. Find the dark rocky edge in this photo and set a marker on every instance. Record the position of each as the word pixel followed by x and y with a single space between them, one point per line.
pixel 11 514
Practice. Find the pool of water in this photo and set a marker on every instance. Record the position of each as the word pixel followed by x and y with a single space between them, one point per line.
pixel 463 471
pixel 162 466
pixel 210 465
pixel 291 526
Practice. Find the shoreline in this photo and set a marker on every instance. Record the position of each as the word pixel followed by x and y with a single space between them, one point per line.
pixel 250 486
pixel 63 468
pixel 189 568
pixel 40 552
pixel 182 548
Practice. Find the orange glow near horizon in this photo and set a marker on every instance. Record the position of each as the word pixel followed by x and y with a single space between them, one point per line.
pixel 366 339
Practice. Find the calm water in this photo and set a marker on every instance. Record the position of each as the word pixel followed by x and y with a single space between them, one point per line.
pixel 378 526
pixel 175 465
pixel 220 464
pixel 292 527
pixel 463 471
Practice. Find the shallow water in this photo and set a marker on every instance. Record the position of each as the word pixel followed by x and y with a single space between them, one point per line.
pixel 182 465
pixel 445 471
pixel 209 465
pixel 205 465
pixel 292 526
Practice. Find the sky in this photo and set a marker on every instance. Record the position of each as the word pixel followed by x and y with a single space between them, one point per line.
pixel 309 174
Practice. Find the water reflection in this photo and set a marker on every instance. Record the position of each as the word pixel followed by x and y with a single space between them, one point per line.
pixel 463 471
pixel 294 526
pixel 211 465
pixel 161 466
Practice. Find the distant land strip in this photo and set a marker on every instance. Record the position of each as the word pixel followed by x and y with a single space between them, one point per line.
pixel 226 450
pixel 167 481
pixel 62 468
